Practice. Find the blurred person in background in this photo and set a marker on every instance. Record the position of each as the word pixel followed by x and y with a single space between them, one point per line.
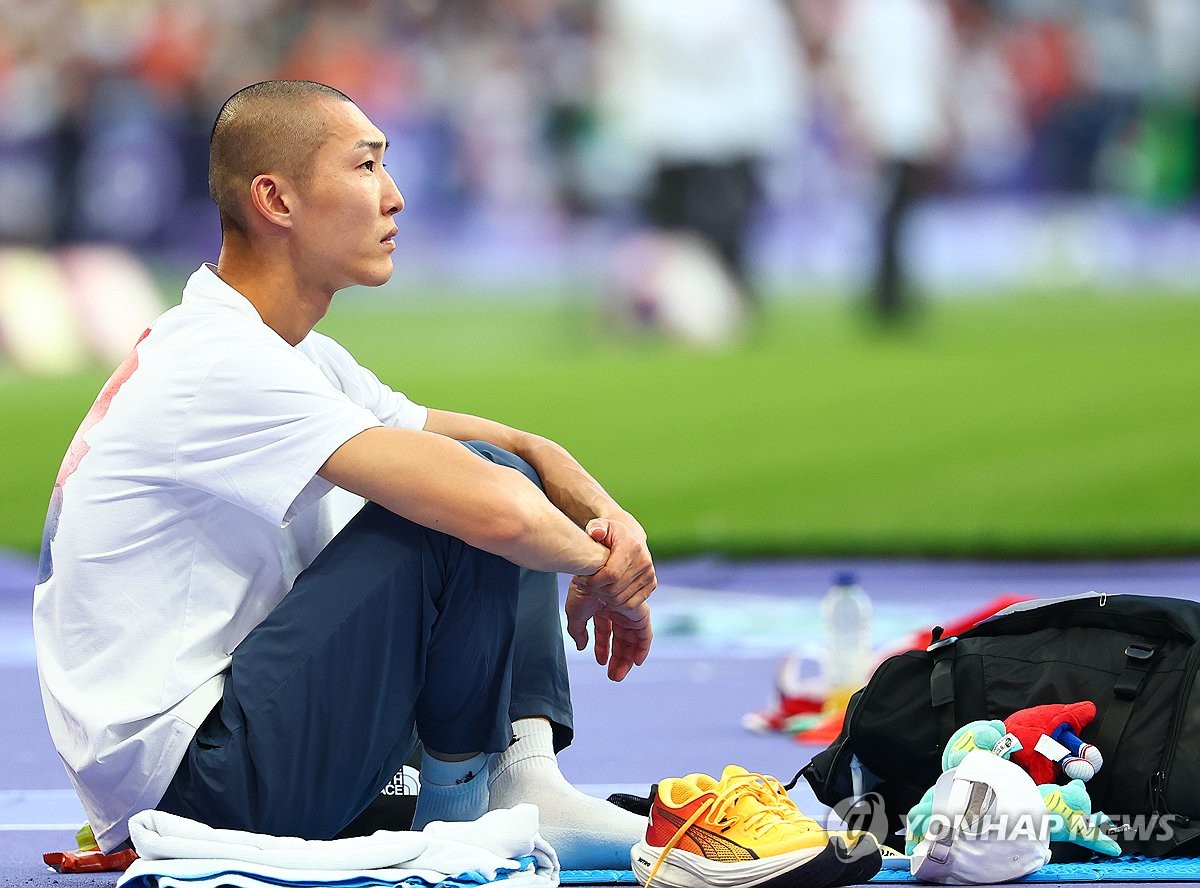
pixel 224 631
pixel 1174 38
pixel 1156 156
pixel 104 111
pixel 697 96
pixel 895 61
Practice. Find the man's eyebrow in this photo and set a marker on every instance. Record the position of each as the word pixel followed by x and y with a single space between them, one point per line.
pixel 373 144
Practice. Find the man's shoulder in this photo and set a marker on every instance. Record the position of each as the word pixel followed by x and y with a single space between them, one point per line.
pixel 329 355
pixel 197 333
pixel 317 344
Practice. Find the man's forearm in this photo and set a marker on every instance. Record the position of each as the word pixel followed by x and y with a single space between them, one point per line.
pixel 441 485
pixel 627 577
pixel 568 485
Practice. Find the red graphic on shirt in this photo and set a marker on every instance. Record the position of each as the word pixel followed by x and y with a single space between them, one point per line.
pixel 79 447
pixel 77 451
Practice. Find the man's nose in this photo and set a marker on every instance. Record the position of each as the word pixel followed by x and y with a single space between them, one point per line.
pixel 393 199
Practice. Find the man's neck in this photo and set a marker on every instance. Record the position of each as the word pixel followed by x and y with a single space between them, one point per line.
pixel 274 291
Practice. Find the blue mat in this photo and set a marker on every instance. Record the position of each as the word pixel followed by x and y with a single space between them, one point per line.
pixel 1121 869
pixel 596 877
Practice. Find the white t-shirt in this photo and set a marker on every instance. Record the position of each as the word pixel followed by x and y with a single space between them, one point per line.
pixel 184 510
pixel 898 59
pixel 700 82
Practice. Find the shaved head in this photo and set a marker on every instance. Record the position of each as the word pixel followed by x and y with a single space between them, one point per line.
pixel 272 127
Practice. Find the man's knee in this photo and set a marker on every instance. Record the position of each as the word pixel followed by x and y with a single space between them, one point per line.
pixel 502 457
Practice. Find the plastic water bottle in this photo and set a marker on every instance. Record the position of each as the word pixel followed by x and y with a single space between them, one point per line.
pixel 846 621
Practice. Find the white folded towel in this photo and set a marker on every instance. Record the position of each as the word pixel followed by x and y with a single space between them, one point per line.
pixel 503 845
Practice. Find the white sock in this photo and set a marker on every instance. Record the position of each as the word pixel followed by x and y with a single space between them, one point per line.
pixel 453 791
pixel 587 832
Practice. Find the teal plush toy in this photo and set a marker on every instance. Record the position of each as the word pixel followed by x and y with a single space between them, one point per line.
pixel 1070 807
pixel 977 735
pixel 917 822
pixel 982 734
pixel 1072 819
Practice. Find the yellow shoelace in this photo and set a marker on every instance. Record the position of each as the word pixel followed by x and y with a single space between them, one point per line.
pixel 769 792
pixel 726 795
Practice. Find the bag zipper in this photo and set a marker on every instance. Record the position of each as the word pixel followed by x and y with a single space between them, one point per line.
pixel 1158 781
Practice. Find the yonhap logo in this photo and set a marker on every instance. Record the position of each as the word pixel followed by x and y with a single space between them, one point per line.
pixel 865 814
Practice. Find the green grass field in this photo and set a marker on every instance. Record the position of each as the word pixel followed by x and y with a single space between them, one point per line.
pixel 1026 426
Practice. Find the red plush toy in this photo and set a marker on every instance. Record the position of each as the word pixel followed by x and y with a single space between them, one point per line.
pixel 1049 738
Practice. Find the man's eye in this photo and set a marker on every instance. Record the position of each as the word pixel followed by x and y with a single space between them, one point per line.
pixel 370 166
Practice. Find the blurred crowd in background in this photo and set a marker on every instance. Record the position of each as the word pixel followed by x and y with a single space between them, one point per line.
pixel 522 123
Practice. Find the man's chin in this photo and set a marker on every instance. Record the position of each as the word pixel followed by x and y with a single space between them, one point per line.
pixel 377 276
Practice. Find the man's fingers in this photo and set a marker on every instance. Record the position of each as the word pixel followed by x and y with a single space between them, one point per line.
pixel 635 591
pixel 604 637
pixel 632 636
pixel 627 653
pixel 643 650
pixel 579 610
pixel 621 636
pixel 618 668
pixel 597 529
pixel 577 629
pixel 629 601
pixel 629 588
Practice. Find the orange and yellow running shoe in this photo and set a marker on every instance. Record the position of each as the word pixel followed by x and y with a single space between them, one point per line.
pixel 738 832
pixel 860 852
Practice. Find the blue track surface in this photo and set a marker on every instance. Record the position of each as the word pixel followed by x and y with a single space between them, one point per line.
pixel 1125 869
pixel 721 630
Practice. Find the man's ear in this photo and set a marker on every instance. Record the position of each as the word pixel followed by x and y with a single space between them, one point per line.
pixel 271 199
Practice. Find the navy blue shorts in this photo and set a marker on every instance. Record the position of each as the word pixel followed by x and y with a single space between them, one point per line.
pixel 395 634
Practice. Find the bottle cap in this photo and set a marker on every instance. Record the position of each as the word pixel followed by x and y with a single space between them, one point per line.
pixel 845 578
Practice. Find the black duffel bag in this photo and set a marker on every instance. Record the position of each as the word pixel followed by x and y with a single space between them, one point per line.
pixel 1134 656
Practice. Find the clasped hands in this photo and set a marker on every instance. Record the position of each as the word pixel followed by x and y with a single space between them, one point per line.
pixel 614 598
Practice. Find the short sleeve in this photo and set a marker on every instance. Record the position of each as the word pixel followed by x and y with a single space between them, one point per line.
pixel 390 407
pixel 260 426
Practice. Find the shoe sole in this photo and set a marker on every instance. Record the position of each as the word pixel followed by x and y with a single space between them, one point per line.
pixel 858 866
pixel 819 867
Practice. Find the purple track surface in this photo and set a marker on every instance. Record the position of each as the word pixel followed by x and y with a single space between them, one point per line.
pixel 722 629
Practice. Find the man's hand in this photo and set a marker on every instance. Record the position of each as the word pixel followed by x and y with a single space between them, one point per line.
pixel 627 578
pixel 622 638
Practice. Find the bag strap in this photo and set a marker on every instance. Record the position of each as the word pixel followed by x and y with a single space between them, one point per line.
pixel 1139 659
pixel 941 683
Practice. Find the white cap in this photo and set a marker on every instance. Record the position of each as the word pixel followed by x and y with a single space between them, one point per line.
pixel 988 825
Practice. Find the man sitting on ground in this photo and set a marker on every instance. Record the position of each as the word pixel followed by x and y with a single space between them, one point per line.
pixel 216 640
